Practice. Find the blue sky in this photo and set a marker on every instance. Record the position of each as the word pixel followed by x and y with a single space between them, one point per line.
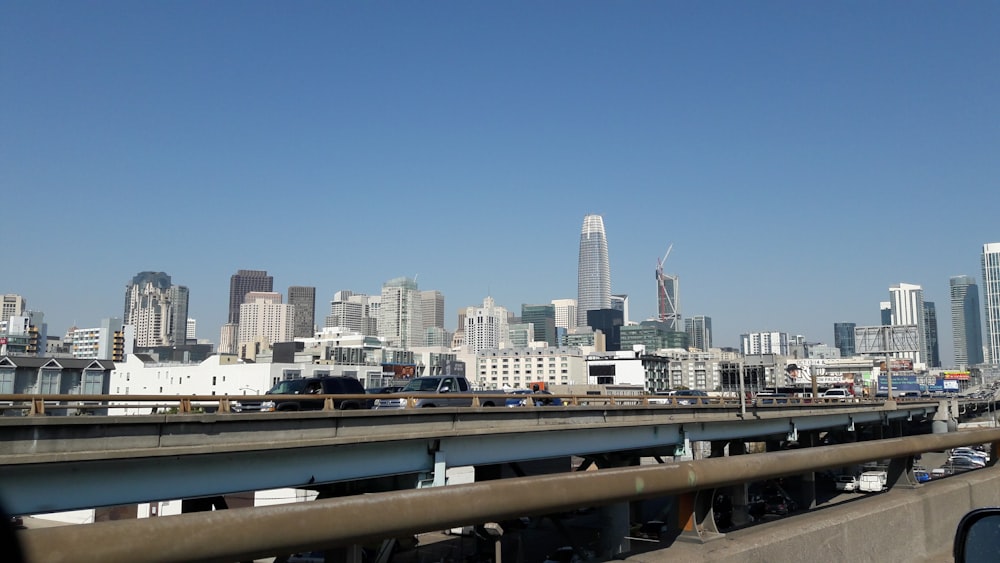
pixel 801 157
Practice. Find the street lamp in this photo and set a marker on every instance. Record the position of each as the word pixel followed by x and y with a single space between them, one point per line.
pixel 255 391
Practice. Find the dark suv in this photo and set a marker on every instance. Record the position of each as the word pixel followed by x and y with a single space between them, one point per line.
pixel 307 387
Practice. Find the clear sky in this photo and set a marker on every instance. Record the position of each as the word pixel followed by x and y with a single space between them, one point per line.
pixel 801 157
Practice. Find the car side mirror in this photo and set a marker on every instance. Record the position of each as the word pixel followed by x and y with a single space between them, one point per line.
pixel 978 536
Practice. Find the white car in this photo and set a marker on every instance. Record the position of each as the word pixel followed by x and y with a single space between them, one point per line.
pixel 847 483
pixel 838 393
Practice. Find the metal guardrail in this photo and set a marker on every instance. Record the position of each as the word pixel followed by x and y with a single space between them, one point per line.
pixel 40 405
pixel 248 533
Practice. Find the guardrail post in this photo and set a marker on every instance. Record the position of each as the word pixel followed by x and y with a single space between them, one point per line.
pixel 185 406
pixel 37 407
pixel 328 404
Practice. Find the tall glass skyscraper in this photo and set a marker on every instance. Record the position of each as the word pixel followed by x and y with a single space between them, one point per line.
pixel 843 338
pixel 966 328
pixel 594 274
pixel 991 298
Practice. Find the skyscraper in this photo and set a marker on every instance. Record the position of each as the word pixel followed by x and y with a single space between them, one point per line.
pixel 304 299
pixel 400 317
pixel 543 317
pixel 157 309
pixel 594 271
pixel 931 335
pixel 843 338
pixel 907 305
pixel 264 320
pixel 243 282
pixel 486 327
pixel 699 329
pixel 667 295
pixel 565 313
pixel 966 328
pixel 991 299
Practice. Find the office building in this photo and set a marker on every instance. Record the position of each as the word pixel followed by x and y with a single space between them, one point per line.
pixel 13 306
pixel 543 318
pixel 157 309
pixel 991 299
pixel 699 330
pixel 264 320
pixel 907 304
pixel 885 313
pixel 486 327
pixel 113 340
pixel 843 338
pixel 304 300
pixel 619 302
pixel 594 271
pixel 931 335
pixel 192 331
pixel 243 282
pixel 432 312
pixel 756 343
pixel 966 328
pixel 400 318
pixel 609 322
pixel 565 313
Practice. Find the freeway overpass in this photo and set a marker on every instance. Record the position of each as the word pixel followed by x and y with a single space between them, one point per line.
pixel 59 463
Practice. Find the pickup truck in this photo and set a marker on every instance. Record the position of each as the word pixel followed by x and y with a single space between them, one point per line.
pixel 449 391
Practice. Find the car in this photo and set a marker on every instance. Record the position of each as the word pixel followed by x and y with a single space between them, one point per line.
pixel 838 393
pixel 538 399
pixel 922 475
pixel 972 452
pixel 846 483
pixel 769 398
pixel 960 464
pixel 308 387
pixel 691 397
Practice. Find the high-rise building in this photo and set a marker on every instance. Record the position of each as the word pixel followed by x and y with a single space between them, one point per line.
pixel 264 320
pixel 843 338
pixel 432 304
pixel 699 330
pixel 400 318
pixel 113 340
pixel 243 282
pixel 907 303
pixel 991 299
pixel 594 271
pixel 157 309
pixel 966 328
pixel 931 335
pixel 668 295
pixel 192 331
pixel 13 306
pixel 619 302
pixel 609 322
pixel 565 313
pixel 754 343
pixel 543 317
pixel 885 313
pixel 486 327
pixel 304 299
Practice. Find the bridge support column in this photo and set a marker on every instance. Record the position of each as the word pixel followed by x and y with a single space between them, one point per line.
pixel 807 487
pixel 615 519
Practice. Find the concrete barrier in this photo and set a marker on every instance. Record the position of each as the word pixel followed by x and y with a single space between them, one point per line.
pixel 899 525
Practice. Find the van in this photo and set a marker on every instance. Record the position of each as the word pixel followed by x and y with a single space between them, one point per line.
pixel 872 481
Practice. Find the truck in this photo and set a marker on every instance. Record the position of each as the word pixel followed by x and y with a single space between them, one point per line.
pixel 872 481
pixel 448 391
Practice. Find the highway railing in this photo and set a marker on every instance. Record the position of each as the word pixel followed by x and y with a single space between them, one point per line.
pixel 79 404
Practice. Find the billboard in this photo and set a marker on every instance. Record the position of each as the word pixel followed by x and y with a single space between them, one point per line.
pixel 956 375
pixel 899 383
pixel 400 371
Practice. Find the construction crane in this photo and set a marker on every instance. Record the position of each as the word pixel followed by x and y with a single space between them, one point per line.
pixel 667 298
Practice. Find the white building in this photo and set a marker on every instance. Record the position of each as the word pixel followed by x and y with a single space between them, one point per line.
pixel 991 300
pixel 13 306
pixel 264 320
pixel 565 313
pixel 486 327
pixel 99 343
pixel 907 303
pixel 400 318
pixel 764 343
pixel 517 368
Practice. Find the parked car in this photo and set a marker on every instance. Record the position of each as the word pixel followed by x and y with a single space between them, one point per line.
pixel 959 463
pixel 307 389
pixel 847 483
pixel 872 481
pixel 972 452
pixel 922 475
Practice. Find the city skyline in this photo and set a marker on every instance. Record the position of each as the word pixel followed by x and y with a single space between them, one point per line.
pixel 799 159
